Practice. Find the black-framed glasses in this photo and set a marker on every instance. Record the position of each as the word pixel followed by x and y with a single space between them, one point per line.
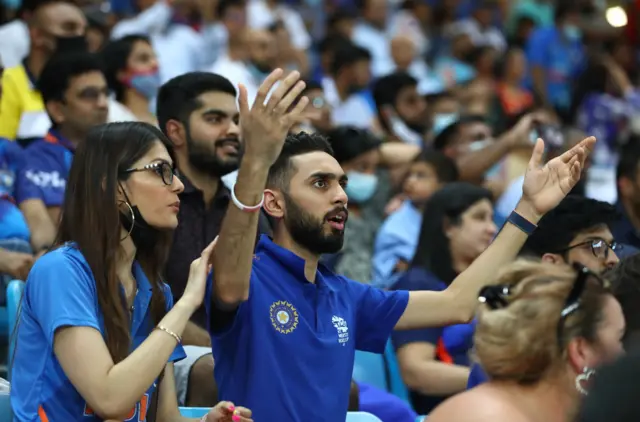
pixel 573 301
pixel 162 169
pixel 599 247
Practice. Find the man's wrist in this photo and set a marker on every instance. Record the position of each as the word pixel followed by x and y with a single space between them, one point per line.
pixel 528 211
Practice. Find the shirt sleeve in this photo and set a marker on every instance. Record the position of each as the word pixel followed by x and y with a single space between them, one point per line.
pixel 415 281
pixel 35 180
pixel 178 353
pixel 389 250
pixel 377 313
pixel 60 292
pixel 10 110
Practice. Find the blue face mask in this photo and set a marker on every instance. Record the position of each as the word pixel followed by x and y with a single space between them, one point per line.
pixel 442 121
pixel 572 32
pixel 361 187
pixel 11 4
pixel 146 84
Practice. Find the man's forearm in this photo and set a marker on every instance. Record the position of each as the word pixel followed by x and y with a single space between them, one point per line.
pixel 474 165
pixel 193 335
pixel 234 253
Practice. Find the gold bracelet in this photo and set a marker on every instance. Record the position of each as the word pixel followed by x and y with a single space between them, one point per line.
pixel 171 333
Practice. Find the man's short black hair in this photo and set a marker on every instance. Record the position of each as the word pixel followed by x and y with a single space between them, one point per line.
pixel 573 216
pixel 346 55
pixel 57 74
pixel 447 136
pixel 224 5
pixel 444 167
pixel 178 98
pixel 295 144
pixel 387 88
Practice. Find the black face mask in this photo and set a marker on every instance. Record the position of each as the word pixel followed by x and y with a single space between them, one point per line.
pixel 143 235
pixel 71 44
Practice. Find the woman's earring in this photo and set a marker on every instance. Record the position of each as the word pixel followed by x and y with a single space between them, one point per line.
pixel 133 219
pixel 582 380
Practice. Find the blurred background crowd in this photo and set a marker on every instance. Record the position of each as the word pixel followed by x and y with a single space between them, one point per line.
pixel 431 106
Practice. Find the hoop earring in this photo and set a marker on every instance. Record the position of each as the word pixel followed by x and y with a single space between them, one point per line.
pixel 583 379
pixel 133 219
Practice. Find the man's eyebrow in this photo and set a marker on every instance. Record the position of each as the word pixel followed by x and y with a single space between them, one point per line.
pixel 328 176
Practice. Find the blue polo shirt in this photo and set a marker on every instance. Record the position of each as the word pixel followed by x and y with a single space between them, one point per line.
pixel 477 376
pixel 288 354
pixel 12 222
pixel 46 170
pixel 452 343
pixel 61 291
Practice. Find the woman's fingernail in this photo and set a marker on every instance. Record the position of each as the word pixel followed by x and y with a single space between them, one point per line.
pixel 231 408
pixel 235 418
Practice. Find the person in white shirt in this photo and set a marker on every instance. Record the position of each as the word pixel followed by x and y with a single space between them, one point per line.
pixel 480 27
pixel 351 75
pixel 371 33
pixel 248 61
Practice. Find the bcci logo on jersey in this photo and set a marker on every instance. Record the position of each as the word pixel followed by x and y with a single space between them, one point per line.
pixel 284 317
pixel 343 330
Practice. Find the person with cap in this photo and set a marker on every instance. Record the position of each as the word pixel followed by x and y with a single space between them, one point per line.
pixel 369 164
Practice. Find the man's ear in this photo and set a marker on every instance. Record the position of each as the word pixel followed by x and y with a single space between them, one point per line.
pixel 552 258
pixel 176 132
pixel 55 111
pixel 274 203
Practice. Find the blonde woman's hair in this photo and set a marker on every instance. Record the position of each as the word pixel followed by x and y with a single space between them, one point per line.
pixel 518 336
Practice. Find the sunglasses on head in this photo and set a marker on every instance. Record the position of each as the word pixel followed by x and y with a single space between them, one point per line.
pixel 497 296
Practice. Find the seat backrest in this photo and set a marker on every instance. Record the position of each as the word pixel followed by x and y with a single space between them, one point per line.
pixel 15 289
pixel 397 386
pixel 5 408
pixel 370 369
pixel 361 417
pixel 194 412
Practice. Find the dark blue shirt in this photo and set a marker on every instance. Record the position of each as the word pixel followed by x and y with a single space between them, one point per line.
pixel 288 354
pixel 45 171
pixel 452 343
pixel 477 376
pixel 12 222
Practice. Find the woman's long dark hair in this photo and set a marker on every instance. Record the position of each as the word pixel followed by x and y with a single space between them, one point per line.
pixel 91 219
pixel 446 206
pixel 115 57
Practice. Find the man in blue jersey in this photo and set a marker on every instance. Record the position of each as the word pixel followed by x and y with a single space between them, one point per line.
pixel 285 329
pixel 75 94
pixel 15 252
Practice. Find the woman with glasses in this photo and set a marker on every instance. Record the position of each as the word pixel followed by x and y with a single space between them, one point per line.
pixel 98 331
pixel 541 334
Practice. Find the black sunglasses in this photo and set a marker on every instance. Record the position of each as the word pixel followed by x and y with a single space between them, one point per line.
pixel 162 169
pixel 599 247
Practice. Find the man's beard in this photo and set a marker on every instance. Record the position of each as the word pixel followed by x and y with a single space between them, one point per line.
pixel 207 162
pixel 308 232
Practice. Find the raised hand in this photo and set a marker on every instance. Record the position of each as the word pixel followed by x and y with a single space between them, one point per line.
pixel 546 185
pixel 196 284
pixel 265 126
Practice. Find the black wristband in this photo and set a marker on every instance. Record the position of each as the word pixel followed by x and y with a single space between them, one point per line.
pixel 522 223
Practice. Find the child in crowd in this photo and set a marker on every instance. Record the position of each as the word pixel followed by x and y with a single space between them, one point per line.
pixel 398 236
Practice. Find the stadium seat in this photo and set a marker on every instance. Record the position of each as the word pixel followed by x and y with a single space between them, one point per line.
pixel 14 296
pixel 5 408
pixel 370 369
pixel 361 417
pixel 397 386
pixel 194 412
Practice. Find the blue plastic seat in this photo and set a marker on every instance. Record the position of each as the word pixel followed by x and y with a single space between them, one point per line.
pixel 397 386
pixel 361 417
pixel 5 408
pixel 15 289
pixel 370 369
pixel 194 412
